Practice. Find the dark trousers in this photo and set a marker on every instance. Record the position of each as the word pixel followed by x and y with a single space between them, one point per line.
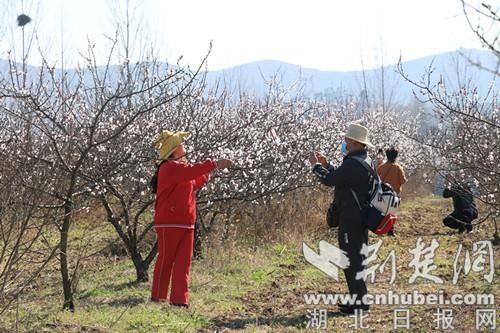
pixel 461 222
pixel 352 235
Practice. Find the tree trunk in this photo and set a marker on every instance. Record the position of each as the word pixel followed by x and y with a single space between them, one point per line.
pixel 496 238
pixel 198 236
pixel 63 259
pixel 141 267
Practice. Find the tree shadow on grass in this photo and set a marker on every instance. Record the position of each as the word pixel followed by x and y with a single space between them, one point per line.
pixel 117 301
pixel 94 291
pixel 298 321
pixel 439 233
pixel 122 286
pixel 126 301
pixel 442 233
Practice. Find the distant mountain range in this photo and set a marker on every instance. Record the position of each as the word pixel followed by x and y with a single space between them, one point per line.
pixel 255 78
pixel 455 69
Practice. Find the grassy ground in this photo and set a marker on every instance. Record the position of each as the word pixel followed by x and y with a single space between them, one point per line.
pixel 258 285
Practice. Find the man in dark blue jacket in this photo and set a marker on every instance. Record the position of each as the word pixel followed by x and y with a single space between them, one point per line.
pixel 352 233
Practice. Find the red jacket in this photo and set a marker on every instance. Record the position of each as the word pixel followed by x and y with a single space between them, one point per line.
pixel 176 194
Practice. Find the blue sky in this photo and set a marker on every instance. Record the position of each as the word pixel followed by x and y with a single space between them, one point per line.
pixel 328 35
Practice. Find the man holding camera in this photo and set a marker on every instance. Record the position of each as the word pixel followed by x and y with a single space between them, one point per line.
pixel 352 234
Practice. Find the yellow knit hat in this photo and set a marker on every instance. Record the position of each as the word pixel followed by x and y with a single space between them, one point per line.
pixel 168 141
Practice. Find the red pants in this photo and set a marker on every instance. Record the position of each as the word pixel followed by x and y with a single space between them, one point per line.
pixel 175 250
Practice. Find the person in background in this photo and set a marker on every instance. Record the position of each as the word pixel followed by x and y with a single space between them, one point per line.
pixel 380 157
pixel 464 208
pixel 393 174
pixel 352 234
pixel 175 184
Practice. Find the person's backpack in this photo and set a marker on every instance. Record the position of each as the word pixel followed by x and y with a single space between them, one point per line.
pixel 379 212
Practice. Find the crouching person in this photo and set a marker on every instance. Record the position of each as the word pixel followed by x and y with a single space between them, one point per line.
pixel 175 184
pixel 352 233
pixel 464 208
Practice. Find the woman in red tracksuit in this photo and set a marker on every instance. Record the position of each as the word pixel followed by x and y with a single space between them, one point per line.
pixel 175 215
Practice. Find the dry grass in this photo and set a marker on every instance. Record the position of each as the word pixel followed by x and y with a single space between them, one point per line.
pixel 279 305
pixel 254 280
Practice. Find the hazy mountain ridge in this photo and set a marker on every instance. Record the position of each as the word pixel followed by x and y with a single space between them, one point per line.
pixel 255 77
pixel 252 76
